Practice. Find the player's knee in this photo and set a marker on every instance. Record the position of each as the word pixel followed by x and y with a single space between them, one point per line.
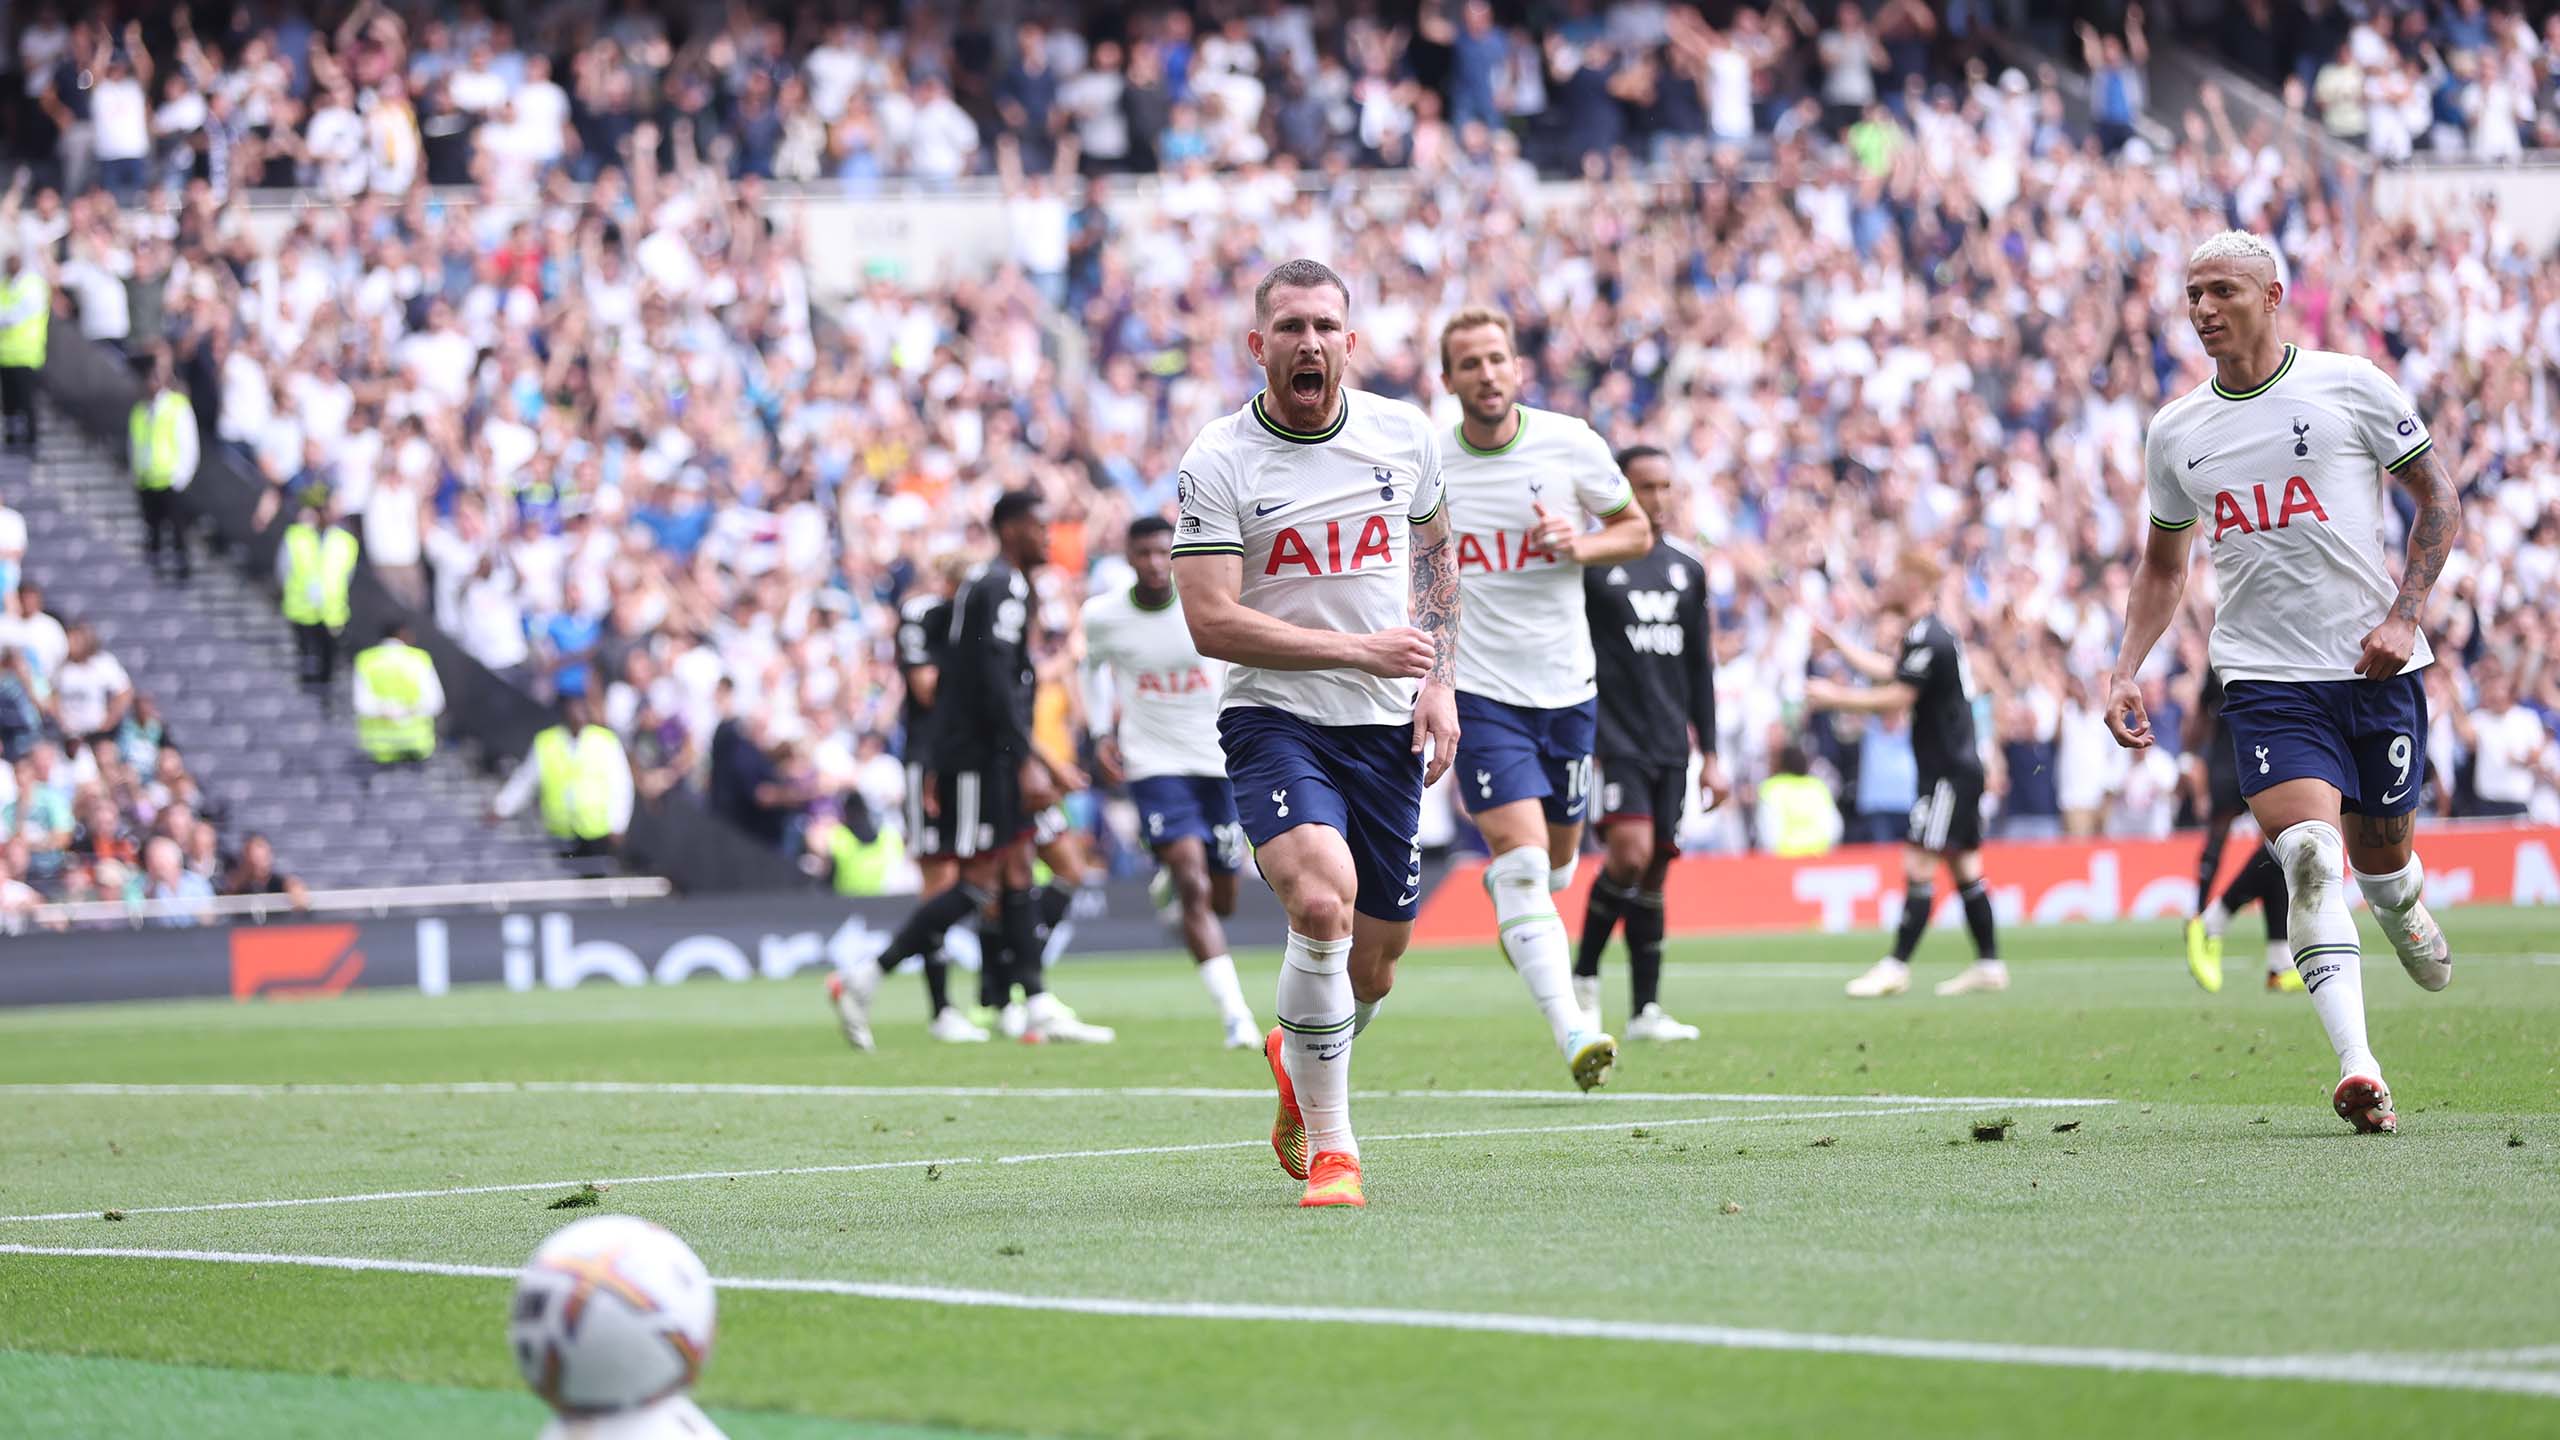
pixel 1630 849
pixel 2313 854
pixel 1318 911
pixel 1191 886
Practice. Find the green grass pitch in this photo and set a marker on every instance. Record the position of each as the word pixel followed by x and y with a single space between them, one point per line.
pixel 1786 1228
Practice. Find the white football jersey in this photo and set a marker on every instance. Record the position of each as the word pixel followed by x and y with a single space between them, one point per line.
pixel 1323 526
pixel 2287 482
pixel 1163 692
pixel 674 1418
pixel 1525 641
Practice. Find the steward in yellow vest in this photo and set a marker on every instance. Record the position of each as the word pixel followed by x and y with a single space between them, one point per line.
pixel 162 441
pixel 584 779
pixel 398 698
pixel 316 565
pixel 26 310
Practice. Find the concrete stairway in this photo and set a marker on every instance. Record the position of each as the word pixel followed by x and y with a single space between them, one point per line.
pixel 218 657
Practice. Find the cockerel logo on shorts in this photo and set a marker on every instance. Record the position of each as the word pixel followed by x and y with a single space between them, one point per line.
pixel 2262 758
pixel 1484 784
pixel 1280 798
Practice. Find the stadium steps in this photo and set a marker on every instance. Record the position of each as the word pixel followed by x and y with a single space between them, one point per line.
pixel 219 659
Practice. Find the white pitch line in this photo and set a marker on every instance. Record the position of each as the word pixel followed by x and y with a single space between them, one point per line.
pixel 2333 1369
pixel 777 1172
pixel 986 1092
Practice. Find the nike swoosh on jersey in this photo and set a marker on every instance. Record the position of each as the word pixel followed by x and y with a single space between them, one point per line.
pixel 1260 510
pixel 2396 797
pixel 2198 461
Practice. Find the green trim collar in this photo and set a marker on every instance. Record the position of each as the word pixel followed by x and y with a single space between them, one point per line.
pixel 1506 447
pixel 1301 437
pixel 2262 387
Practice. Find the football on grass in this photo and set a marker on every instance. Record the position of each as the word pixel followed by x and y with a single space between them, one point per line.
pixel 612 1312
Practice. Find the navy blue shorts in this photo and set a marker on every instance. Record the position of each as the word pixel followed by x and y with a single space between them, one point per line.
pixel 2368 738
pixel 1191 807
pixel 1511 752
pixel 1362 780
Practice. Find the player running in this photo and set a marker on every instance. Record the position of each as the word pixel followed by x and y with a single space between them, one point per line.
pixel 1154 718
pixel 1520 483
pixel 1932 682
pixel 1650 632
pixel 984 760
pixel 1314 555
pixel 2317 649
pixel 2215 776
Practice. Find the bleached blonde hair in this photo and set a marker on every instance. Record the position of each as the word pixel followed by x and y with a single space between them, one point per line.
pixel 2237 245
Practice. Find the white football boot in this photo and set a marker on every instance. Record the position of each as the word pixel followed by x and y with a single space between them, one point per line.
pixel 1887 976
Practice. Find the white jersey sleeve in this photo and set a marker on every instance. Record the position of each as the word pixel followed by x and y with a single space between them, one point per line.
pixel 1205 499
pixel 1597 481
pixel 2383 417
pixel 1431 484
pixel 2172 508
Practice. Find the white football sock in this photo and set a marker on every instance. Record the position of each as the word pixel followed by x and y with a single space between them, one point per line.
pixel 2392 896
pixel 2279 956
pixel 2216 919
pixel 1362 1012
pixel 2325 949
pixel 1314 1006
pixel 1218 977
pixel 1533 936
pixel 1560 878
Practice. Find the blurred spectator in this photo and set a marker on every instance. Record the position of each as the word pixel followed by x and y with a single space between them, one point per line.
pixel 165 878
pixel 583 779
pixel 2515 770
pixel 254 873
pixel 91 692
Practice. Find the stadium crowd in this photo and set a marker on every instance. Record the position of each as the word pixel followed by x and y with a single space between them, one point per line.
pixel 2470 78
pixel 96 801
pixel 595 423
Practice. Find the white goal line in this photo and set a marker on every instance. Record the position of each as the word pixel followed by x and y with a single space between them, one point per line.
pixel 2331 1369
pixel 278 1090
pixel 777 1172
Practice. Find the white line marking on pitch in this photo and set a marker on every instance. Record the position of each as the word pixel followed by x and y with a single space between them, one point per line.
pixel 2335 1369
pixel 988 1092
pixel 777 1172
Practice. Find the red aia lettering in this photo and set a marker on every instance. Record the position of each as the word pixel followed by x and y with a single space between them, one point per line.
pixel 1172 682
pixel 2229 514
pixel 1290 549
pixel 1471 552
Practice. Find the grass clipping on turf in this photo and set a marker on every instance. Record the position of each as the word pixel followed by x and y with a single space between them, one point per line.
pixel 585 1197
pixel 1990 1130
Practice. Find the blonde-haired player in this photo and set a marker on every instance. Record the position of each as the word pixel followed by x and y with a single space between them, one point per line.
pixel 2286 451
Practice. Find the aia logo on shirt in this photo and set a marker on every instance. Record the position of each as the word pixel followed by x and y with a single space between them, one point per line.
pixel 1173 682
pixel 1320 552
pixel 1506 552
pixel 2232 510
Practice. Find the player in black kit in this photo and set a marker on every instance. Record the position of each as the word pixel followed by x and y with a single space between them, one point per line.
pixel 982 746
pixel 2213 775
pixel 1929 679
pixel 1656 659
pixel 924 643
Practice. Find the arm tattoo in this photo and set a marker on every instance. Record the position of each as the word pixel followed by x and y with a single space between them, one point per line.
pixel 2431 534
pixel 1435 603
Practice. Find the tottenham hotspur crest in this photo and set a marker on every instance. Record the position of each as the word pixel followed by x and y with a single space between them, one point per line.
pixel 2301 428
pixel 2262 758
pixel 1386 482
